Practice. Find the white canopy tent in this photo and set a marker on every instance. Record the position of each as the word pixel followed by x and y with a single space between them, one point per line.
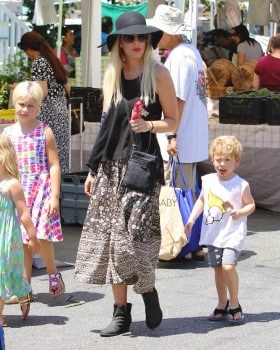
pixel 91 28
pixel 91 37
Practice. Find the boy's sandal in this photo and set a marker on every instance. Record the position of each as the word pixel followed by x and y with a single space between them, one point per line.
pixel 25 307
pixel 219 314
pixel 57 286
pixel 233 312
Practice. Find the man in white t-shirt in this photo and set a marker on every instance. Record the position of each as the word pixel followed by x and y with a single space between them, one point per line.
pixel 185 64
pixel 187 71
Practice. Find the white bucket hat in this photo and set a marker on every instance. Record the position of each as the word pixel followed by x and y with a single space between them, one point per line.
pixel 170 20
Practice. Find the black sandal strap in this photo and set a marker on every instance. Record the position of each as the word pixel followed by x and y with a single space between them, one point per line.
pixel 221 311
pixel 233 312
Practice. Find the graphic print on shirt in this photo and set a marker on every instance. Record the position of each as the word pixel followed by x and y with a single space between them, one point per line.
pixel 217 208
pixel 201 86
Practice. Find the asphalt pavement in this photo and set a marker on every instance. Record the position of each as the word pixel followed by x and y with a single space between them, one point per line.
pixel 187 295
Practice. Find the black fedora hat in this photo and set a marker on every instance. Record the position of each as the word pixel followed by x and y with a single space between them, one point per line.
pixel 133 23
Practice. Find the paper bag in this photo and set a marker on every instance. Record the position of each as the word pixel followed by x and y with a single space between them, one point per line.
pixel 173 237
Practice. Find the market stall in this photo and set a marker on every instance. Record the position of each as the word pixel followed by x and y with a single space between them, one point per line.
pixel 260 164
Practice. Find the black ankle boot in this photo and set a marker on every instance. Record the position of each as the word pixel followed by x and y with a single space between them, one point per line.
pixel 120 322
pixel 153 310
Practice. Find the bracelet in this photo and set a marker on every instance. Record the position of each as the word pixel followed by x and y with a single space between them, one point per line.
pixel 170 137
pixel 152 128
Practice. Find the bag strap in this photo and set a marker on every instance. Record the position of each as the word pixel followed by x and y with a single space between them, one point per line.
pixel 174 161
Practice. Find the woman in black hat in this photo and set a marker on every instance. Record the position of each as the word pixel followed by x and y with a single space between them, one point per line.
pixel 121 237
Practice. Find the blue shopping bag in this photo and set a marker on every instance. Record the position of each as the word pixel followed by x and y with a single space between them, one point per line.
pixel 186 203
pixel 184 195
pixel 2 340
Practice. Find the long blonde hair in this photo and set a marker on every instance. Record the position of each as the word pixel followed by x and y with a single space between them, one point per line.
pixel 112 78
pixel 8 157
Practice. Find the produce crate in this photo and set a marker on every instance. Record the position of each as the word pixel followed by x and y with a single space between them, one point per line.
pixel 7 116
pixel 74 202
pixel 92 102
pixel 273 110
pixel 234 109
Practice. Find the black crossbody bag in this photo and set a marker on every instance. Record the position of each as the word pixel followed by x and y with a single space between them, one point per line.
pixel 142 170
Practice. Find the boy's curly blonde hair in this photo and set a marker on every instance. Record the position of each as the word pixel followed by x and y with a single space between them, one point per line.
pixel 226 144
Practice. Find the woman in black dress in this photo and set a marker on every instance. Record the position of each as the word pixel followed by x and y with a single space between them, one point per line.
pixel 121 236
pixel 49 72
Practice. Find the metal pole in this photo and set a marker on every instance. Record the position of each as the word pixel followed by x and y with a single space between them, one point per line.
pixel 59 31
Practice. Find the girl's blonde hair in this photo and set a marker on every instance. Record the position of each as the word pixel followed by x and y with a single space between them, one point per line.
pixel 8 157
pixel 25 88
pixel 226 144
pixel 112 77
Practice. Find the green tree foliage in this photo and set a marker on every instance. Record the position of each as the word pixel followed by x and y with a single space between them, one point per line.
pixel 15 70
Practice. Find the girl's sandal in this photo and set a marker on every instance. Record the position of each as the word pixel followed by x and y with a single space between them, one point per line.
pixel 31 297
pixel 25 307
pixel 13 300
pixel 57 286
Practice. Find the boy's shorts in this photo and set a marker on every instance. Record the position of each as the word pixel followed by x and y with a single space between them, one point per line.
pixel 222 256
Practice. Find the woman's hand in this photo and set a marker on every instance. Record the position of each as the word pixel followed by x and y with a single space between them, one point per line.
pixel 140 125
pixel 88 186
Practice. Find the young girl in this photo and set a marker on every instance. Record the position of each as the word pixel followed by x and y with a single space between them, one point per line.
pixel 226 201
pixel 36 150
pixel 12 207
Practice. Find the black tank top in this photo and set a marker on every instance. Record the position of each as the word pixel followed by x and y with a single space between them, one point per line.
pixel 115 138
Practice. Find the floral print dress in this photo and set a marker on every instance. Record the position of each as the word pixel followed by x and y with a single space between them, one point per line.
pixel 54 111
pixel 12 281
pixel 35 180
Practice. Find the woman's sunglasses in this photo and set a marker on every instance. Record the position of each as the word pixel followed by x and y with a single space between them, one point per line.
pixel 130 38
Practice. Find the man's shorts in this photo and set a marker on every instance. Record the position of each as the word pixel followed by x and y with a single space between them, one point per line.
pixel 222 256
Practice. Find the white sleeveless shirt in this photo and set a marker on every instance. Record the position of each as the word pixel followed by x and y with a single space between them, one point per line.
pixel 218 227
